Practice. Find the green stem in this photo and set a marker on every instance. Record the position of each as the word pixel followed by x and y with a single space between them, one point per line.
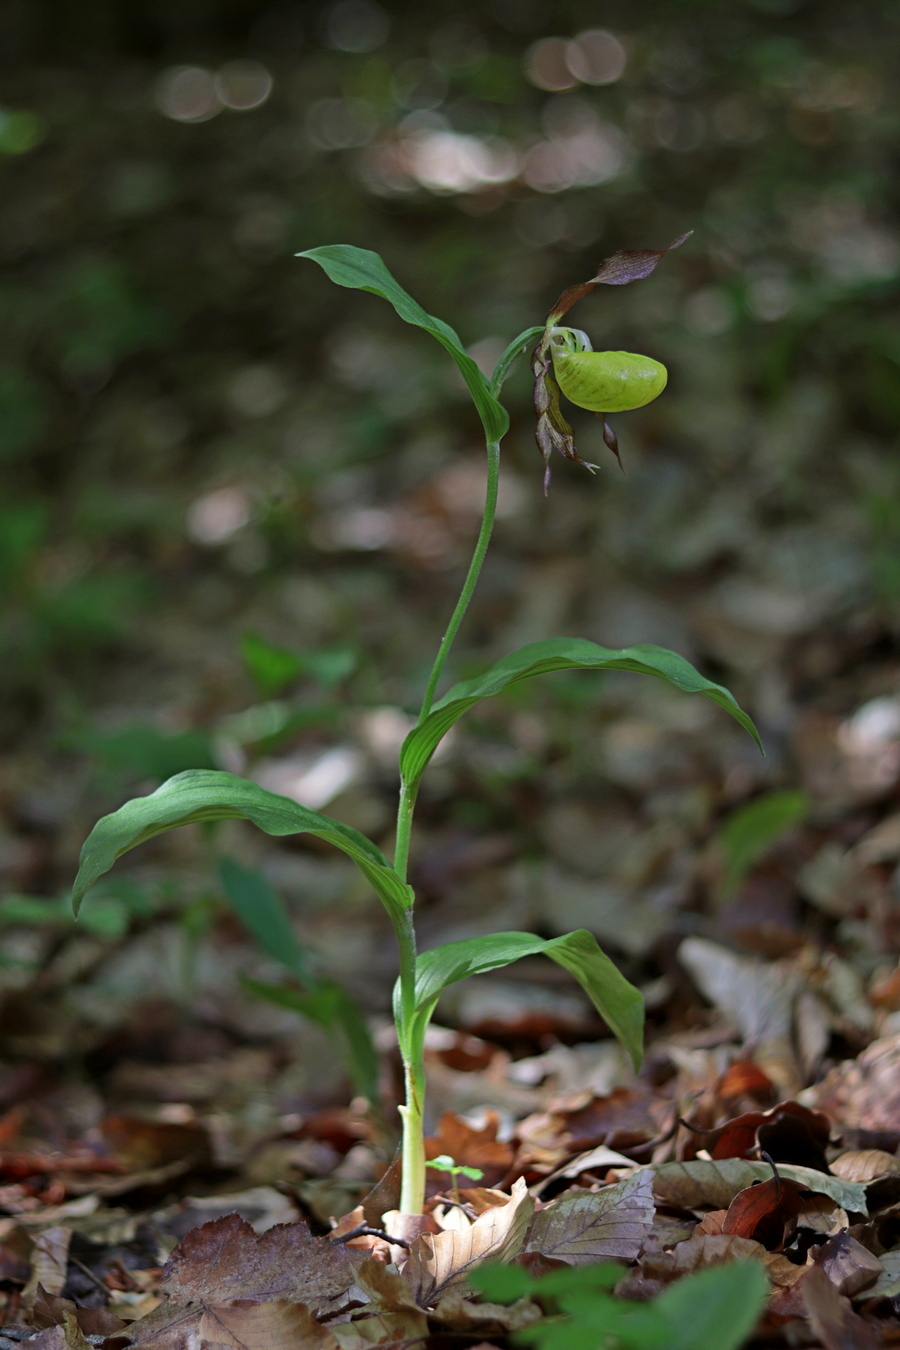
pixel 462 604
pixel 410 1027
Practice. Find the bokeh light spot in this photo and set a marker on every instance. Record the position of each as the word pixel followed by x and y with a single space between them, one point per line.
pixel 547 65
pixel 596 57
pixel 242 85
pixel 187 94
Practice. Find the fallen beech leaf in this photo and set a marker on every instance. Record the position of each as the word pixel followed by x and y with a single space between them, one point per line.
pixel 69 1336
pixel 865 1164
pixel 388 1290
pixel 49 1260
pixel 711 1223
pixel 864 1093
pixel 698 1252
pixel 697 1184
pixel 469 1147
pixel 848 1264
pixel 457 1310
pixel 227 1260
pixel 440 1260
pixel 50 1310
pixel 789 1133
pixel 833 1320
pixel 766 1212
pixel 276 1325
pixel 888 1283
pixel 626 1117
pixel 584 1226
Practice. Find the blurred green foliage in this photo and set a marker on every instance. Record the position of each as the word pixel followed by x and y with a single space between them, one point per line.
pixel 200 438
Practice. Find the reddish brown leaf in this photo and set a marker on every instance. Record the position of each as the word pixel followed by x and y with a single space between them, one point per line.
pixel 745 1079
pixel 789 1133
pixel 143 1144
pixel 227 1260
pixel 50 1310
pixel 833 1320
pixel 766 1213
pixel 625 1118
pixel 848 1264
pixel 469 1147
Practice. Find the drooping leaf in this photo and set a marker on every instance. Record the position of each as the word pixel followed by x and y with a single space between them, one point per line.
pixel 329 1005
pixel 262 910
pixel 583 1226
pixel 618 1002
pixel 540 658
pixel 751 830
pixel 361 269
pixel 716 1309
pixel 210 794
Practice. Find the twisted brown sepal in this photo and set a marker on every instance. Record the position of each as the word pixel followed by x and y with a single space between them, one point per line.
pixel 552 431
pixel 630 264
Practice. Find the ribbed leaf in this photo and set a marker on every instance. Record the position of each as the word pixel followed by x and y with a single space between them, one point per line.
pixel 618 1002
pixel 209 794
pixel 362 270
pixel 539 658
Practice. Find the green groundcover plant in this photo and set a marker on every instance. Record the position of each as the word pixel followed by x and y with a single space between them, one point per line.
pixel 713 1309
pixel 602 382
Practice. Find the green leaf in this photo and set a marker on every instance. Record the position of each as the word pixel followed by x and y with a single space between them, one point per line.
pixel 539 658
pixel 362 270
pixel 272 667
pixel 329 1005
pixel 209 794
pixel 618 1002
pixel 263 912
pixel 715 1309
pixel 749 832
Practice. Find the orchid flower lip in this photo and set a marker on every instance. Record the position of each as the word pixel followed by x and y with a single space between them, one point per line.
pixel 574 338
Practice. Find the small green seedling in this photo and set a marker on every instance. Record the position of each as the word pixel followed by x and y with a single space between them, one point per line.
pixel 443 1163
pixel 205 795
pixel 714 1309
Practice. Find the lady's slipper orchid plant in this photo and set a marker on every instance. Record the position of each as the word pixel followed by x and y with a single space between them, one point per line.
pixel 602 382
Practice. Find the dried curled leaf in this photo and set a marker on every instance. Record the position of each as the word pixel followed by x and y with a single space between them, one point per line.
pixel 439 1261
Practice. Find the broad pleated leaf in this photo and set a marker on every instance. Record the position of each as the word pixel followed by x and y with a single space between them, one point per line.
pixel 209 794
pixel 618 1002
pixel 540 658
pixel 362 270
